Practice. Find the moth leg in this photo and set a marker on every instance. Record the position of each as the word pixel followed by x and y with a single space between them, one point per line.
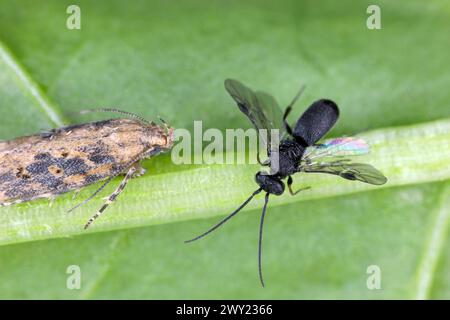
pixel 7 204
pixel 76 192
pixel 114 195
pixel 139 171
pixel 48 134
pixel 51 200
pixel 92 195
pixel 289 183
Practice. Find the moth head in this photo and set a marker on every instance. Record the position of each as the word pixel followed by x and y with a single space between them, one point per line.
pixel 159 136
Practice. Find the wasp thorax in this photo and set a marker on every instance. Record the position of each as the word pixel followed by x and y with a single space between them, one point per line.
pixel 269 183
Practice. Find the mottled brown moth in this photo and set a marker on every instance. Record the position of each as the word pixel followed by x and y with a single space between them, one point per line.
pixel 67 159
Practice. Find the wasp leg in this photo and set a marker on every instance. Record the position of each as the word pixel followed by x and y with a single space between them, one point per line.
pixel 289 108
pixel 264 163
pixel 289 183
pixel 114 195
pixel 286 124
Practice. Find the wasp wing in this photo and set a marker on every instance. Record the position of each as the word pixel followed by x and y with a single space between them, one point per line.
pixel 338 147
pixel 351 171
pixel 261 108
pixel 318 158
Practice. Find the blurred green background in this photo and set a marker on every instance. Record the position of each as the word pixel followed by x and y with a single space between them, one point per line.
pixel 170 58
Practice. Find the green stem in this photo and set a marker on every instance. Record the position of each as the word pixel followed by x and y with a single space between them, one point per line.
pixel 168 193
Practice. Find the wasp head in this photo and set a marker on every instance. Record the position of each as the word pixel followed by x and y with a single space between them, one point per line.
pixel 270 183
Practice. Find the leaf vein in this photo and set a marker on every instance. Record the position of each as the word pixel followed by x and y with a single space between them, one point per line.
pixel 434 247
pixel 33 89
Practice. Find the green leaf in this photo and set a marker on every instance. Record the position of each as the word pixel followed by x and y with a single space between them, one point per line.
pixel 159 58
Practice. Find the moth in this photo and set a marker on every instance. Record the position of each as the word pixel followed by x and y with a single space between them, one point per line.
pixel 68 159
pixel 297 149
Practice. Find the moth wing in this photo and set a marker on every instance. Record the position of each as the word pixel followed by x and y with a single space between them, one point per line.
pixel 351 171
pixel 261 108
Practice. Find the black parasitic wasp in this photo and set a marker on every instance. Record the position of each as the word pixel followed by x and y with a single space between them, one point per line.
pixel 297 149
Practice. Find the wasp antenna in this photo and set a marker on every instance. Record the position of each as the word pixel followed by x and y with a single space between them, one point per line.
pixel 299 93
pixel 114 110
pixel 266 200
pixel 226 218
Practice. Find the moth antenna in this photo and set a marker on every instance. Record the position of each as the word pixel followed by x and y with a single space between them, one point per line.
pixel 226 218
pixel 113 110
pixel 165 124
pixel 162 120
pixel 266 200
pixel 299 93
